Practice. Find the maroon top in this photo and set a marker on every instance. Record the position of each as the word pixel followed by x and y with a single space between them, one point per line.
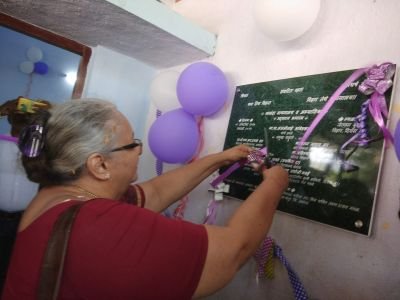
pixel 116 251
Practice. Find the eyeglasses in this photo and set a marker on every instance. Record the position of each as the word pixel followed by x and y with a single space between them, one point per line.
pixel 136 142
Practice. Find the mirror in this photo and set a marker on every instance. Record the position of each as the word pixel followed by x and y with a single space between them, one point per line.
pixel 38 64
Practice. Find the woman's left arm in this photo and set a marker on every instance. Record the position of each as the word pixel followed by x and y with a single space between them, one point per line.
pixel 171 186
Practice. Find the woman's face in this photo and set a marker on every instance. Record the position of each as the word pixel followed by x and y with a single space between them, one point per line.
pixel 124 162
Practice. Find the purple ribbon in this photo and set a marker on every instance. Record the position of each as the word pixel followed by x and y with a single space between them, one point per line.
pixel 361 138
pixel 378 110
pixel 298 289
pixel 252 157
pixel 211 215
pixel 378 81
pixel 356 74
pixel 227 172
pixel 261 257
pixel 8 138
pixel 397 140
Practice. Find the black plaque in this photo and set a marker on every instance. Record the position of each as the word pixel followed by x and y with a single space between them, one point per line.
pixel 324 185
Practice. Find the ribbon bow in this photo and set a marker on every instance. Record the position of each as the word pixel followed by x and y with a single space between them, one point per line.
pixel 376 84
pixel 378 81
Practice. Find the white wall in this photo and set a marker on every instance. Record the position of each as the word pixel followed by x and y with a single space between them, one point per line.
pixel 348 34
pixel 122 80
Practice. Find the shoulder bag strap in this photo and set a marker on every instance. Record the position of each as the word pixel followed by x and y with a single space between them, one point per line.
pixel 54 257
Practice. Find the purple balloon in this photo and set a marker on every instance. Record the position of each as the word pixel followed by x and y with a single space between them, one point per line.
pixel 202 89
pixel 41 68
pixel 174 137
pixel 397 140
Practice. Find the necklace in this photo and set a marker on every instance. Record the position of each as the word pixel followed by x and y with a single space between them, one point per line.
pixel 85 191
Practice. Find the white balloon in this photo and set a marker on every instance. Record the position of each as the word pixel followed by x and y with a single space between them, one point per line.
pixel 26 67
pixel 284 20
pixel 163 91
pixel 34 54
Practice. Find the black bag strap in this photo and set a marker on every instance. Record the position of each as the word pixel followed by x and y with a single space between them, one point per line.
pixel 54 257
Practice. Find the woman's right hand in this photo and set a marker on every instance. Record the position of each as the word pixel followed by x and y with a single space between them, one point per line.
pixel 277 174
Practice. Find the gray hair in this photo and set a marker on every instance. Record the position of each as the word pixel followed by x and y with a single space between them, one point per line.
pixel 75 130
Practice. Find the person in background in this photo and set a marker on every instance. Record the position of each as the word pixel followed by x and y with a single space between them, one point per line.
pixel 120 246
pixel 16 190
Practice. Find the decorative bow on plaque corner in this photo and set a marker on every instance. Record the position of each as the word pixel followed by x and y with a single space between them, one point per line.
pixel 379 79
pixel 377 83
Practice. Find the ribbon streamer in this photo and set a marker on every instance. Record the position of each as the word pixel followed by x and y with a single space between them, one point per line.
pixel 361 138
pixel 378 81
pixel 252 157
pixel 298 288
pixel 264 259
pixel 180 209
pixel 397 140
pixel 354 76
pixel 378 112
pixel 211 215
pixel 256 156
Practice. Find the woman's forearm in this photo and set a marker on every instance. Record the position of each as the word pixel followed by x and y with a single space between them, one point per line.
pixel 253 218
pixel 171 186
pixel 230 246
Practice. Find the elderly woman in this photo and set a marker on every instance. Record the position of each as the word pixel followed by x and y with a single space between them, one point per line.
pixel 119 246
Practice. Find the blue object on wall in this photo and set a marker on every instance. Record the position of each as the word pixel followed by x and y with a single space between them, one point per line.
pixel 41 68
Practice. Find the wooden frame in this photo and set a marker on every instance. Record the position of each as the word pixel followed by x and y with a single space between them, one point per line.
pixel 56 40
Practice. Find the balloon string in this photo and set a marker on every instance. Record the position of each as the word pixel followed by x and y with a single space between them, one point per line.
pixel 201 140
pixel 159 167
pixel 180 209
pixel 28 87
pixel 159 163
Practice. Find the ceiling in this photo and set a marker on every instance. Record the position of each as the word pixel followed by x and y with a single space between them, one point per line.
pixel 98 22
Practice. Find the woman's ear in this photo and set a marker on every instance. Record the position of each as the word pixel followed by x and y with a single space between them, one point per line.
pixel 98 166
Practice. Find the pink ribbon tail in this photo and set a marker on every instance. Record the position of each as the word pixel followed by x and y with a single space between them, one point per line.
pixel 180 209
